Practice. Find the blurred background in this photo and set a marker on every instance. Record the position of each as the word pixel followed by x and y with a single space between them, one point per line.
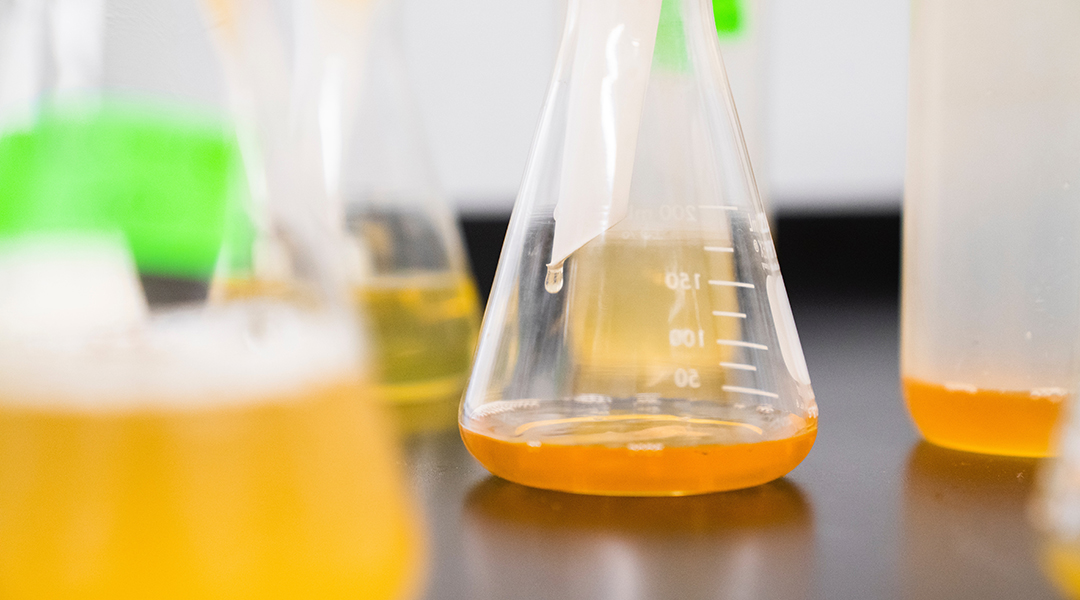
pixel 830 79
pixel 820 87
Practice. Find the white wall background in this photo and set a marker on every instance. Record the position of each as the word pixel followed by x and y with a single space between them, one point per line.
pixel 830 76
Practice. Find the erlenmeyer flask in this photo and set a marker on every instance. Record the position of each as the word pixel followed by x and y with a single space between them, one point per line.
pixel 742 26
pixel 413 279
pixel 406 261
pixel 638 339
pixel 153 445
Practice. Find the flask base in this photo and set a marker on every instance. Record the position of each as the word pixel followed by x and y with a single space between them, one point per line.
pixel 569 461
pixel 1008 423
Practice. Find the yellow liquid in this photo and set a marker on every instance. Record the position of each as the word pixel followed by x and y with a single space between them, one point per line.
pixel 636 453
pixel 290 497
pixel 656 316
pixel 1014 423
pixel 424 331
pixel 1062 563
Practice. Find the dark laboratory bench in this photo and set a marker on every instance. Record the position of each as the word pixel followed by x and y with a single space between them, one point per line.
pixel 873 513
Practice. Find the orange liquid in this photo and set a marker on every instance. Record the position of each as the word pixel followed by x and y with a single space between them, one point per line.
pixel 640 469
pixel 988 421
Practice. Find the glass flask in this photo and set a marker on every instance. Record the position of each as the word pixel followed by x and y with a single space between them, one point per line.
pixel 991 275
pixel 153 444
pixel 407 266
pixel 411 277
pixel 638 338
pixel 741 25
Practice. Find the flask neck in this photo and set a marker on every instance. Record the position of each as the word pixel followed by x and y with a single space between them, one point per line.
pixel 682 24
pixel 611 51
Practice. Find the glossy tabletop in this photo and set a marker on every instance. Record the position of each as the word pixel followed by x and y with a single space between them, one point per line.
pixel 872 512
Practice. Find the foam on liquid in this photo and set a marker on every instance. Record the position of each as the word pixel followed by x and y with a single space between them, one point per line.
pixel 75 333
pixel 192 358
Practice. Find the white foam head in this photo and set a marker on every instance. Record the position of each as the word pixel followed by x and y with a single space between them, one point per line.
pixel 195 358
pixel 75 333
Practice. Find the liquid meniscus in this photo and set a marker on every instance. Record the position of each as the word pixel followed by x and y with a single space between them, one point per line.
pixel 636 450
pixel 1015 423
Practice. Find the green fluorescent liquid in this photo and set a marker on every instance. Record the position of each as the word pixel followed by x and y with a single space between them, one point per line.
pixel 162 179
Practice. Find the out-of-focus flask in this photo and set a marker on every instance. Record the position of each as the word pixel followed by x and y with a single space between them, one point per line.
pixel 404 256
pixel 991 282
pixel 413 278
pixel 638 338
pixel 153 444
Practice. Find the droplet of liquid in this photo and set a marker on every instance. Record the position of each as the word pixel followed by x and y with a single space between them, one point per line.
pixel 554 279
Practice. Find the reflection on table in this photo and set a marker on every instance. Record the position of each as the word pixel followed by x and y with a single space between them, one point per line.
pixel 965 522
pixel 529 543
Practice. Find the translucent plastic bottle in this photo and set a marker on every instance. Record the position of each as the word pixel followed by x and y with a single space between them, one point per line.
pixel 153 445
pixel 638 338
pixel 991 283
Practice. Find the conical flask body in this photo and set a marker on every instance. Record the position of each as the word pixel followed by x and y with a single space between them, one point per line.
pixel 401 253
pixel 638 339
pixel 410 272
pixel 156 442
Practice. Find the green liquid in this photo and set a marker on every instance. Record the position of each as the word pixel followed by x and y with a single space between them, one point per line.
pixel 162 179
